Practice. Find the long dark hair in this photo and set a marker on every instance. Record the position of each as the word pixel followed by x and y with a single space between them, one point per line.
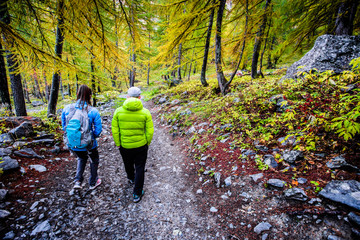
pixel 84 94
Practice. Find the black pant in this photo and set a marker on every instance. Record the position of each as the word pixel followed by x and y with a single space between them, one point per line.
pixel 134 161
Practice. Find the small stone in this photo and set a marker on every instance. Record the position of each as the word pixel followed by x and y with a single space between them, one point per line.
pixel 38 168
pixel 295 194
pixel 42 227
pixel 228 181
pixel 277 183
pixel 199 191
pixel 302 180
pixel 263 226
pixel 256 177
pixel 3 193
pixel 354 218
pixel 213 209
pixel 4 213
pixel 217 177
pixel 9 235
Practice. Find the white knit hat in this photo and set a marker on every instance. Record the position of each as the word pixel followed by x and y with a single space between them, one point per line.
pixel 134 92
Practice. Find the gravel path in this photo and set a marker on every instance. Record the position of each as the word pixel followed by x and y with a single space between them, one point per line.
pixel 168 209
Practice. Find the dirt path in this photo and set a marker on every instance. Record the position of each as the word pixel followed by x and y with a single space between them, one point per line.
pixel 168 209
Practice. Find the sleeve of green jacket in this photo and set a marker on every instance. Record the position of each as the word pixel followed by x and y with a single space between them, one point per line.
pixel 149 128
pixel 115 129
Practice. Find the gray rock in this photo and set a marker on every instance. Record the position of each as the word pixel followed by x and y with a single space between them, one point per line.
pixel 288 140
pixel 213 209
pixel 329 53
pixel 8 164
pixel 203 124
pixel 38 168
pixel 191 130
pixel 226 126
pixel 345 192
pixel 6 138
pixel 247 152
pixel 270 161
pixel 41 227
pixel 292 156
pixel 236 100
pixel 3 193
pixel 45 136
pixel 354 219
pixel 277 183
pixel 349 88
pixel 295 194
pixel 24 130
pixel 50 142
pixel 315 201
pixel 333 237
pixel 280 102
pixel 339 162
pixel 37 103
pixel 28 153
pixel 262 148
pixel 263 226
pixel 217 177
pixel 9 235
pixel 175 101
pixel 201 131
pixel 228 181
pixel 55 150
pixel 162 100
pixel 257 176
pixel 5 152
pixel 19 144
pixel 302 180
pixel 4 214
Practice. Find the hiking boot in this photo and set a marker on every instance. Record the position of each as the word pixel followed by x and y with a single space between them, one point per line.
pixel 77 185
pixel 137 198
pixel 98 182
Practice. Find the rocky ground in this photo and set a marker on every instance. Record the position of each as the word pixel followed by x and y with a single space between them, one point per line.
pixel 179 203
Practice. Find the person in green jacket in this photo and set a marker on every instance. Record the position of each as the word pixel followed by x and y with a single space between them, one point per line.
pixel 132 129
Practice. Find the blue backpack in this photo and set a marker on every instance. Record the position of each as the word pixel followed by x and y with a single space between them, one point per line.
pixel 77 131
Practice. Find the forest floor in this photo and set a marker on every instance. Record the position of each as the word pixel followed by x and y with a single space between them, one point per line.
pixel 177 203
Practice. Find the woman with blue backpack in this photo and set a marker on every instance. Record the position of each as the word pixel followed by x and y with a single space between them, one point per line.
pixel 82 125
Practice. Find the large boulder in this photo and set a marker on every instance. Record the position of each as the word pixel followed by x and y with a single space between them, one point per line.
pixel 346 192
pixel 329 53
pixel 24 130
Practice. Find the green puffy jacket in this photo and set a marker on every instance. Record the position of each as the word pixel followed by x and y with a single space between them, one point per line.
pixel 132 125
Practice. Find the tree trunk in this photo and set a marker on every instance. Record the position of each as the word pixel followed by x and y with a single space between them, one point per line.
pixel 344 22
pixel 243 45
pixel 26 92
pixel 148 70
pixel 16 86
pixel 262 54
pixel 4 90
pixel 179 62
pixel 15 77
pixel 218 61
pixel 61 88
pixel 69 89
pixel 93 86
pixel 257 44
pixel 133 70
pixel 269 61
pixel 54 93
pixel 46 88
pixel 206 50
